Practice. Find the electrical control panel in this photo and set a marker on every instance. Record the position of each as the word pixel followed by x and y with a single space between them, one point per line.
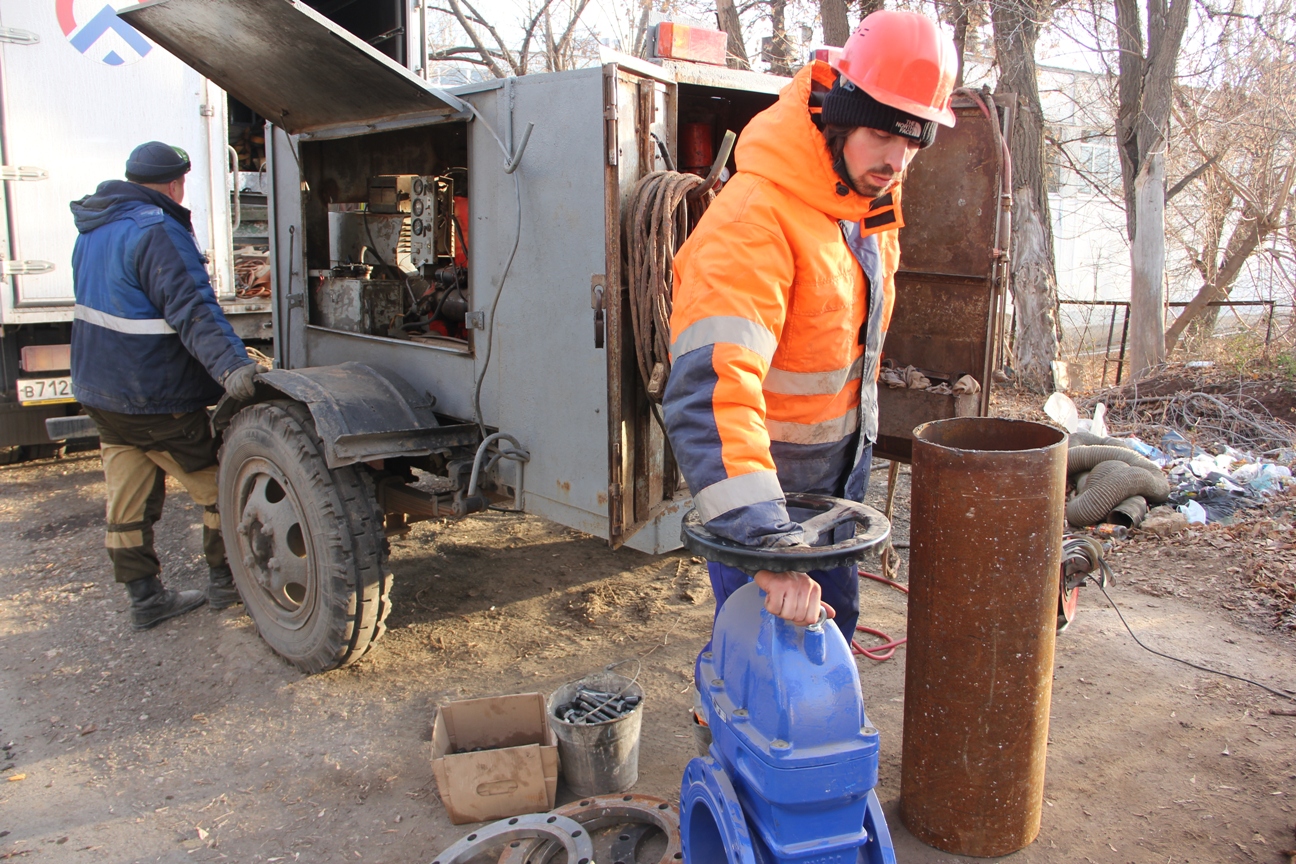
pixel 432 230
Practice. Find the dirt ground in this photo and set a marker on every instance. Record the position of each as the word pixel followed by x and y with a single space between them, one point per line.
pixel 193 742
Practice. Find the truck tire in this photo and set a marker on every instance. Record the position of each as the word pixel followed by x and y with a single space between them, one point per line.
pixel 305 542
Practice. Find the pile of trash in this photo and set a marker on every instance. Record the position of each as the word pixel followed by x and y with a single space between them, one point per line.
pixel 1119 480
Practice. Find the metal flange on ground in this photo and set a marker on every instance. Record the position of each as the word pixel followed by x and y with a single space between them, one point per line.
pixel 606 811
pixel 568 833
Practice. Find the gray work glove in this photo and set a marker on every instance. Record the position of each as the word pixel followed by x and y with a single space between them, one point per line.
pixel 240 383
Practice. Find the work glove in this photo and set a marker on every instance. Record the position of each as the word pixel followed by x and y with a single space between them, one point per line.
pixel 240 383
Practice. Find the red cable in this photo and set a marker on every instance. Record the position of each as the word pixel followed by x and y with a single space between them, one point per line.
pixel 886 651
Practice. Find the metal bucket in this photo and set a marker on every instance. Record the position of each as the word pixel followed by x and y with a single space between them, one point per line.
pixel 986 546
pixel 601 758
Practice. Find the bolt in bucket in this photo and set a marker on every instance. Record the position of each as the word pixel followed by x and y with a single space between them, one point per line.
pixel 600 758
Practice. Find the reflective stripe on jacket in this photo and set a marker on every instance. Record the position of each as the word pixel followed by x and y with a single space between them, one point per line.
pixel 148 335
pixel 776 336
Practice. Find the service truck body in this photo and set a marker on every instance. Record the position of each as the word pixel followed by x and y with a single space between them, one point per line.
pixel 451 311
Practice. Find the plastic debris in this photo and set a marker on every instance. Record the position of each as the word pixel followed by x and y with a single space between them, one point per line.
pixel 1194 512
pixel 1178 446
pixel 1147 450
pixel 1098 425
pixel 1062 411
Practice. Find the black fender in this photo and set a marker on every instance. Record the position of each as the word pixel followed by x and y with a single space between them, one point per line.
pixel 362 413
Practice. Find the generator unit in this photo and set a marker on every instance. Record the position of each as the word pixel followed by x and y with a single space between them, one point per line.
pixel 452 316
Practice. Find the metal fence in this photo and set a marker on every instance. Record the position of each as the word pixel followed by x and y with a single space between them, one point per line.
pixel 1108 338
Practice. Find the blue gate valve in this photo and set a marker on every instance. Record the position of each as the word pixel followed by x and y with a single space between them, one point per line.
pixel 793 761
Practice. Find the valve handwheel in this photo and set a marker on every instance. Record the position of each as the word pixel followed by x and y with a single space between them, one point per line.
pixel 822 517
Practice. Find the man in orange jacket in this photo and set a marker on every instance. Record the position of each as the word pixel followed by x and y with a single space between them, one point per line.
pixel 783 294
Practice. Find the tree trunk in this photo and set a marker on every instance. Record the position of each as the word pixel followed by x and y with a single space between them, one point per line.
pixel 956 14
pixel 1034 282
pixel 780 50
pixel 727 17
pixel 1147 271
pixel 1144 88
pixel 836 26
pixel 1242 242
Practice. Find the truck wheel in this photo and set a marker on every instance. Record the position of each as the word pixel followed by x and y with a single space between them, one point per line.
pixel 305 542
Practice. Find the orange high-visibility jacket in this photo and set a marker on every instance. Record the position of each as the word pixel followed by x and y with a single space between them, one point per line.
pixel 781 301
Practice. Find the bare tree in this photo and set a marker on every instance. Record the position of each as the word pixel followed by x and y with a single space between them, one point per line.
pixel 1034 282
pixel 781 58
pixel 730 23
pixel 1144 88
pixel 961 15
pixel 547 40
pixel 1241 132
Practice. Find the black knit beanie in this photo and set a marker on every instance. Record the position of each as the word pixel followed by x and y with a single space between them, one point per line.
pixel 847 105
pixel 155 162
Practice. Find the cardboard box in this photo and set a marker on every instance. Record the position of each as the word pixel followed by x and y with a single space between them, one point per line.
pixel 517 772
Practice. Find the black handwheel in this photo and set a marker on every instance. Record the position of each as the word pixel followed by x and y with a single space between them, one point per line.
pixel 822 517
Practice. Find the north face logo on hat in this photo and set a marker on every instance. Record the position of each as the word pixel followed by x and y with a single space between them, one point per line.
pixel 908 128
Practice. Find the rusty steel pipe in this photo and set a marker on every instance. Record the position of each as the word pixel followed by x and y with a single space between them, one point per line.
pixel 986 548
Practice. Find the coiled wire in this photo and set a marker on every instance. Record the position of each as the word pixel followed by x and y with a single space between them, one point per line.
pixel 659 217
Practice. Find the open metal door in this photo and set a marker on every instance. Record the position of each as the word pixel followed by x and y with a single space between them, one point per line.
pixel 645 500
pixel 953 274
pixel 290 64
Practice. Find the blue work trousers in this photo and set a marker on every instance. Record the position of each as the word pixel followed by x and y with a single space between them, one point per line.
pixel 840 587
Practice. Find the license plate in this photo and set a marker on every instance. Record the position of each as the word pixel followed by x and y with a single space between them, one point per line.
pixel 43 391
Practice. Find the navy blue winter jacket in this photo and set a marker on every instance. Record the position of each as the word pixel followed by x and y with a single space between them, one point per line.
pixel 148 336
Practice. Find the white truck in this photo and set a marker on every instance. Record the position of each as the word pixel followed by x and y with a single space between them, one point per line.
pixel 81 88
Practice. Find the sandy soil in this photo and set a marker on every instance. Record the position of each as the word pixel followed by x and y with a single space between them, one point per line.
pixel 193 742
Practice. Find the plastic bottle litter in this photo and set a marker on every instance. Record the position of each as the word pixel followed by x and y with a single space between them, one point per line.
pixel 1145 449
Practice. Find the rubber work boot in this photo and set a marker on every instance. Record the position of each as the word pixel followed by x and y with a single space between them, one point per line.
pixel 151 604
pixel 221 591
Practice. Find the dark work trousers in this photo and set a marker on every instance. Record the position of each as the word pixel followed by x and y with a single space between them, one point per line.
pixel 139 451
pixel 839 586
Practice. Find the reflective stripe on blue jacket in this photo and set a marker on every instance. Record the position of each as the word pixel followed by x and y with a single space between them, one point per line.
pixel 148 335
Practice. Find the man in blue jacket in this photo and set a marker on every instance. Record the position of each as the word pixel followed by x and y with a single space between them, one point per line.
pixel 149 345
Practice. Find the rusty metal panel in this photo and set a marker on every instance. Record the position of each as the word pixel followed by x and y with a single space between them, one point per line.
pixel 939 323
pixel 951 200
pixel 988 499
pixel 950 277
pixel 901 411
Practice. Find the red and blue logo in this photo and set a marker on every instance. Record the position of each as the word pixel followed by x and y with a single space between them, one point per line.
pixel 93 28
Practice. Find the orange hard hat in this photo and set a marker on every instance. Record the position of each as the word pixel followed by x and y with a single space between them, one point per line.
pixel 904 60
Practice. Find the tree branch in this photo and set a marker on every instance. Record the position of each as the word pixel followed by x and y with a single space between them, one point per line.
pixel 487 60
pixel 1191 176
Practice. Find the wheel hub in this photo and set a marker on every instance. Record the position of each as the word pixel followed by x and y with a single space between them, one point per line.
pixel 272 540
